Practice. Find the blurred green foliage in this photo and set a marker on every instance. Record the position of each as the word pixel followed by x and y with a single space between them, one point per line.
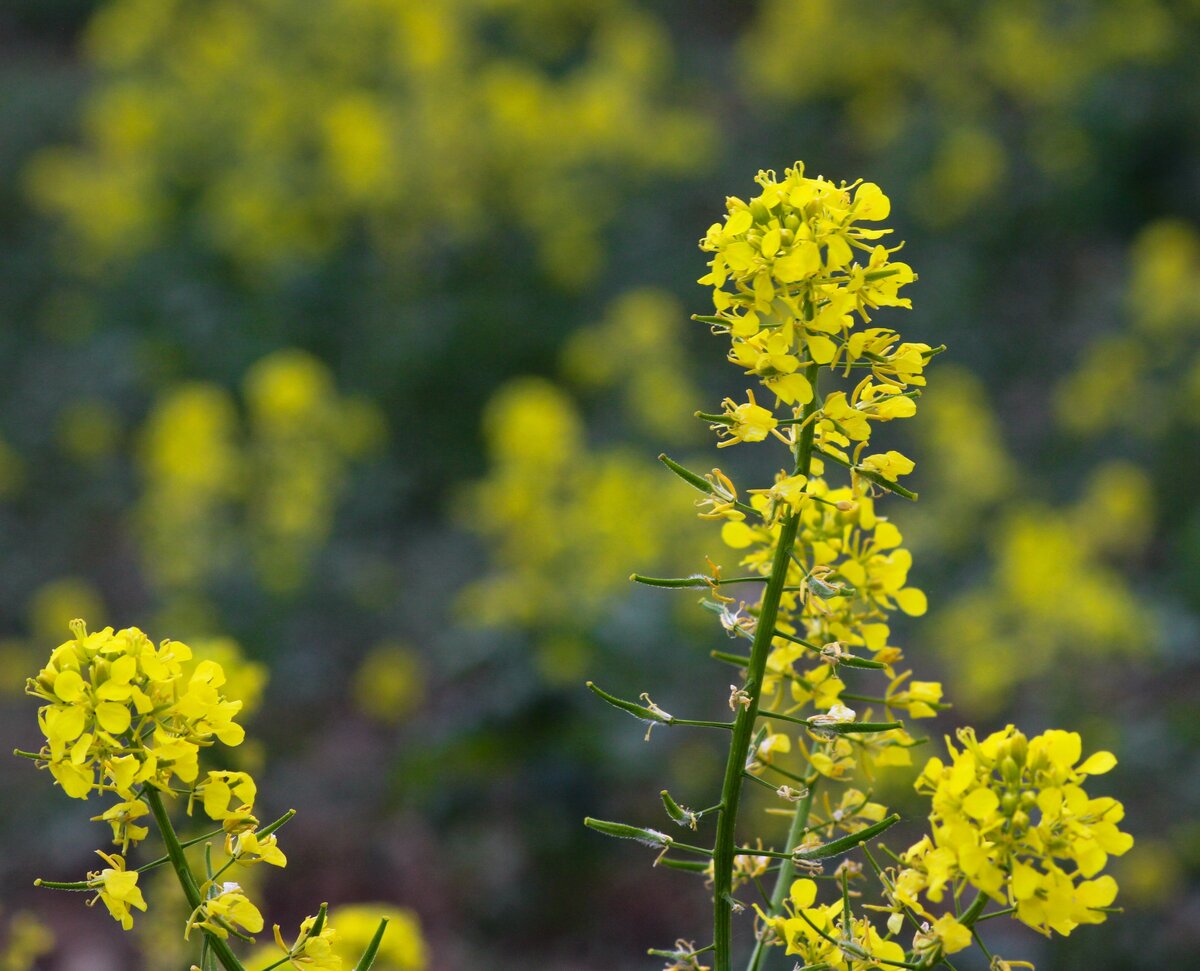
pixel 350 330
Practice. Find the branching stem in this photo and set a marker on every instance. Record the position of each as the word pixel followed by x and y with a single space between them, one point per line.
pixel 747 716
pixel 191 891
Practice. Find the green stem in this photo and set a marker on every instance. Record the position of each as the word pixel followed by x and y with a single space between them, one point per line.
pixel 972 913
pixel 191 892
pixel 747 716
pixel 783 879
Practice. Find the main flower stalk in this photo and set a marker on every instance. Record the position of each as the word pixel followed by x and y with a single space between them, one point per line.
pixel 747 713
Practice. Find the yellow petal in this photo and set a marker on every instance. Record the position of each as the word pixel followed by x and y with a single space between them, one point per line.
pixel 770 242
pixel 981 804
pixel 803 893
pixel 113 716
pixel 821 348
pixel 68 685
pixel 912 601
pixel 738 222
pixel 1098 763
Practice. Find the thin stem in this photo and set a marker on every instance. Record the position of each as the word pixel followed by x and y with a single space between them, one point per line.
pixel 973 912
pixel 191 892
pixel 762 782
pixel 747 716
pixel 785 773
pixel 783 879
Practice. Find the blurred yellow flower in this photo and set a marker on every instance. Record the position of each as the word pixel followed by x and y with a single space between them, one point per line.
pixel 300 127
pixel 389 683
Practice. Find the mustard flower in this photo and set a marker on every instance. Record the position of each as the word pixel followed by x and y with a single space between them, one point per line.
pixel 227 908
pixel 248 848
pixel 226 793
pixel 1008 813
pixel 312 950
pixel 748 421
pixel 819 934
pixel 117 889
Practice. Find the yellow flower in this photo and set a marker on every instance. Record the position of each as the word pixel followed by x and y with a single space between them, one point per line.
pixel 1006 810
pixel 230 906
pixel 849 420
pixel 749 421
pixel 891 465
pixel 945 936
pixel 117 888
pixel 918 699
pixel 248 848
pixel 225 793
pixel 121 817
pixel 312 951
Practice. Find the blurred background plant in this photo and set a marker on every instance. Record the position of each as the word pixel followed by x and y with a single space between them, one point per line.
pixel 349 330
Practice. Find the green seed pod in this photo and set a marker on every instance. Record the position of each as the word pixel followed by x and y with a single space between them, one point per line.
pixel 681 815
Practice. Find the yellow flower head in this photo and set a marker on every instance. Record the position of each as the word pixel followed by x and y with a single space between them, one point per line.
pixel 117 888
pixel 1010 816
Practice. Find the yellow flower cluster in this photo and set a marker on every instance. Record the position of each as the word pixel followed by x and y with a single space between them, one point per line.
pixel 793 273
pixel 292 129
pixel 560 519
pixel 26 939
pixel 1022 69
pixel 637 350
pixel 821 936
pixel 1052 588
pixel 282 470
pixel 786 288
pixel 1059 584
pixel 123 716
pixel 1152 360
pixel 121 713
pixel 1011 818
pixel 796 272
pixel 128 717
pixel 325 949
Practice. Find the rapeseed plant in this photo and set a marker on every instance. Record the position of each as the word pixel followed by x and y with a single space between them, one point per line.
pixel 125 717
pixel 797 274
